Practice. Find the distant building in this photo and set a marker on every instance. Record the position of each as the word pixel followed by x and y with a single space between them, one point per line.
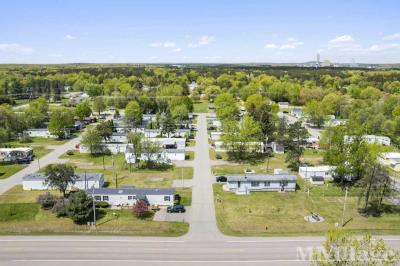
pixel 391 159
pixel 324 171
pixel 215 135
pixel 43 133
pixel 383 140
pixel 13 154
pixel 297 112
pixel 37 181
pixel 283 104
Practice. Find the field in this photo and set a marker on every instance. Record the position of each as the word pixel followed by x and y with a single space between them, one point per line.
pixel 19 214
pixel 189 155
pixel 273 213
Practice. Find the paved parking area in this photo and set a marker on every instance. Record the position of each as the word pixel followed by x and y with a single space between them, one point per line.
pixel 163 216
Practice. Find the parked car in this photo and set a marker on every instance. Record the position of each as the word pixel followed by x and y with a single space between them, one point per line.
pixel 23 160
pixel 176 208
pixel 249 171
pixel 221 178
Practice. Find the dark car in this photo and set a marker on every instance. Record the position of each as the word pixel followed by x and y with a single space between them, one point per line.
pixel 23 160
pixel 176 208
pixel 221 178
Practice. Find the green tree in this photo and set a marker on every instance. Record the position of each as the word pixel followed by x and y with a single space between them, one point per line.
pixel 226 107
pixel 168 125
pixel 92 140
pixel 315 113
pixel 296 140
pixel 342 249
pixel 83 110
pixel 105 129
pixel 133 113
pixel 80 207
pixel 61 120
pixel 98 104
pixel 136 139
pixel 60 176
pixel 152 149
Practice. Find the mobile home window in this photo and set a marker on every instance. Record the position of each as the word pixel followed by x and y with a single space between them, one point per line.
pixel 255 184
pixel 131 197
pixel 105 198
pixel 267 183
pixel 97 197
pixel 167 198
pixel 283 183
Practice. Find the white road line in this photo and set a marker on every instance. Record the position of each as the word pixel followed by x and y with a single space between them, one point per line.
pixel 92 240
pixel 165 261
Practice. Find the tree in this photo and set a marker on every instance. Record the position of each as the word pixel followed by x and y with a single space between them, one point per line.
pixel 105 129
pixel 92 140
pixel 133 113
pixel 152 149
pixel 296 140
pixel 315 113
pixel 60 121
pixel 168 125
pixel 135 139
pixel 180 112
pixel 226 107
pixel 140 209
pixel 340 248
pixel 83 110
pixel 60 176
pixel 254 102
pixel 40 104
pixel 98 104
pixel 80 207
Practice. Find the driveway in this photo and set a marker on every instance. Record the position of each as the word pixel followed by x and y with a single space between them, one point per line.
pixel 163 216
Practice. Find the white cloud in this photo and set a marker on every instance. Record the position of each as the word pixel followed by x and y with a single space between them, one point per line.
pixel 291 43
pixel 203 40
pixel 342 39
pixel 383 47
pixel 15 48
pixel 166 44
pixel 177 50
pixel 69 37
pixel 391 37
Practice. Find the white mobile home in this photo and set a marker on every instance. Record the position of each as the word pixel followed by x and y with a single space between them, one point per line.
pixel 325 171
pixel 11 154
pixel 43 133
pixel 216 135
pixel 127 196
pixel 245 183
pixel 38 181
pixel 117 137
pixel 383 140
pixel 114 148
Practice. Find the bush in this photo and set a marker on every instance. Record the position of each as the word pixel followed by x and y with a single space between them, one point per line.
pixel 70 152
pixel 140 209
pixel 80 207
pixel 25 138
pixel 218 156
pixel 107 152
pixel 60 207
pixel 102 204
pixel 47 200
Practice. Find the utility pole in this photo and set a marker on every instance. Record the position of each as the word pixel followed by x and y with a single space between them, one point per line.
pixel 344 205
pixel 38 163
pixel 94 207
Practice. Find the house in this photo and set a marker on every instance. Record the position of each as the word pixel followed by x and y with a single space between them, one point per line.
pixel 256 146
pixel 77 97
pixel 117 137
pixel 297 112
pixel 317 180
pixel 12 154
pixel 325 171
pixel 114 148
pixel 37 181
pixel 383 140
pixel 164 156
pixel 216 135
pixel 127 196
pixel 277 148
pixel 391 159
pixel 283 104
pixel 243 184
pixel 335 122
pixel 43 133
pixel 170 143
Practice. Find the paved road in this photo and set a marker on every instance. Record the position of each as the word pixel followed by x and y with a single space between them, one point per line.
pixel 51 157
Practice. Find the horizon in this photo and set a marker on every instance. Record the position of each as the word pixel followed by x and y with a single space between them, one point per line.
pixel 207 32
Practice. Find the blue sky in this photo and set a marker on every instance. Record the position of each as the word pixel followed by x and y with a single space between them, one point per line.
pixel 229 31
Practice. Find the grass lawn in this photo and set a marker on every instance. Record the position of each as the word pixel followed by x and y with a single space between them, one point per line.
pixel 273 213
pixel 136 177
pixel 200 107
pixel 213 154
pixel 19 214
pixel 186 194
pixel 191 143
pixel 189 155
pixel 37 141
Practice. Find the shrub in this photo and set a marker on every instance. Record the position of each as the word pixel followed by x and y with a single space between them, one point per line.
pixel 60 207
pixel 107 152
pixel 218 156
pixel 25 138
pixel 102 204
pixel 70 152
pixel 47 200
pixel 80 207
pixel 140 209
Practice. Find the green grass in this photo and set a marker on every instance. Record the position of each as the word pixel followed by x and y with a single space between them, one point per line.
pixel 37 141
pixel 213 154
pixel 200 107
pixel 191 143
pixel 189 155
pixel 7 169
pixel 136 177
pixel 11 212
pixel 17 195
pixel 186 194
pixel 274 213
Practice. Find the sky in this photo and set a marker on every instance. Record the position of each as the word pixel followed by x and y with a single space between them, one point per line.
pixel 194 31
